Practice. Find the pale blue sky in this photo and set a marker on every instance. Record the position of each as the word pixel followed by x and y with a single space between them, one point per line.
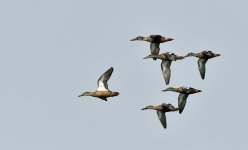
pixel 52 50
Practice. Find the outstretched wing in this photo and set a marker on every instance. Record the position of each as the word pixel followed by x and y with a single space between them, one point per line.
pixel 165 67
pixel 201 67
pixel 154 47
pixel 102 81
pixel 182 99
pixel 162 118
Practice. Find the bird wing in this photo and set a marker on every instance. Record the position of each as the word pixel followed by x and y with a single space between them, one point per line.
pixel 162 118
pixel 201 67
pixel 102 81
pixel 182 99
pixel 154 47
pixel 165 67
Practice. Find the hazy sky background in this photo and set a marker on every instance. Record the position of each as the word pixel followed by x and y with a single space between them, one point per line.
pixel 53 50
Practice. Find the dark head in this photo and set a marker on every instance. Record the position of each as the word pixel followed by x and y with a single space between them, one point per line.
pixel 193 90
pixel 189 90
pixel 138 38
pixel 116 93
pixel 210 54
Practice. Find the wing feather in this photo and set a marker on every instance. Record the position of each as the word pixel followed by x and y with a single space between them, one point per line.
pixel 102 81
pixel 162 118
pixel 166 71
pixel 201 67
pixel 182 99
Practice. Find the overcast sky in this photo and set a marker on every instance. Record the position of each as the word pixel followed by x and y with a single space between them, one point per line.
pixel 53 50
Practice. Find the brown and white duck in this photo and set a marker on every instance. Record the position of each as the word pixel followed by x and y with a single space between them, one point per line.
pixel 155 41
pixel 166 58
pixel 161 110
pixel 203 58
pixel 102 91
pixel 184 93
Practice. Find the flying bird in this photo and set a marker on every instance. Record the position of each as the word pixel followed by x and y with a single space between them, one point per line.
pixel 203 58
pixel 184 93
pixel 154 40
pixel 102 91
pixel 161 110
pixel 166 58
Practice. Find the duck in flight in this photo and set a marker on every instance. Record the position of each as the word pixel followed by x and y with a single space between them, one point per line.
pixel 203 58
pixel 166 58
pixel 161 110
pixel 102 91
pixel 155 41
pixel 184 93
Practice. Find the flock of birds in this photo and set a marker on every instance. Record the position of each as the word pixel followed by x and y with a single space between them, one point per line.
pixel 103 91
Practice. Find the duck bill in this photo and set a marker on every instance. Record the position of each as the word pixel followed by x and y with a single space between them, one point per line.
pixel 151 56
pixel 217 55
pixel 168 89
pixel 170 39
pixel 165 90
pixel 144 108
pixel 189 54
pixel 80 95
pixel 85 94
pixel 133 39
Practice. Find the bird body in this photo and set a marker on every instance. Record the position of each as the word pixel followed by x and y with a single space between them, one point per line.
pixel 203 58
pixel 102 91
pixel 161 110
pixel 184 93
pixel 155 41
pixel 100 94
pixel 166 58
